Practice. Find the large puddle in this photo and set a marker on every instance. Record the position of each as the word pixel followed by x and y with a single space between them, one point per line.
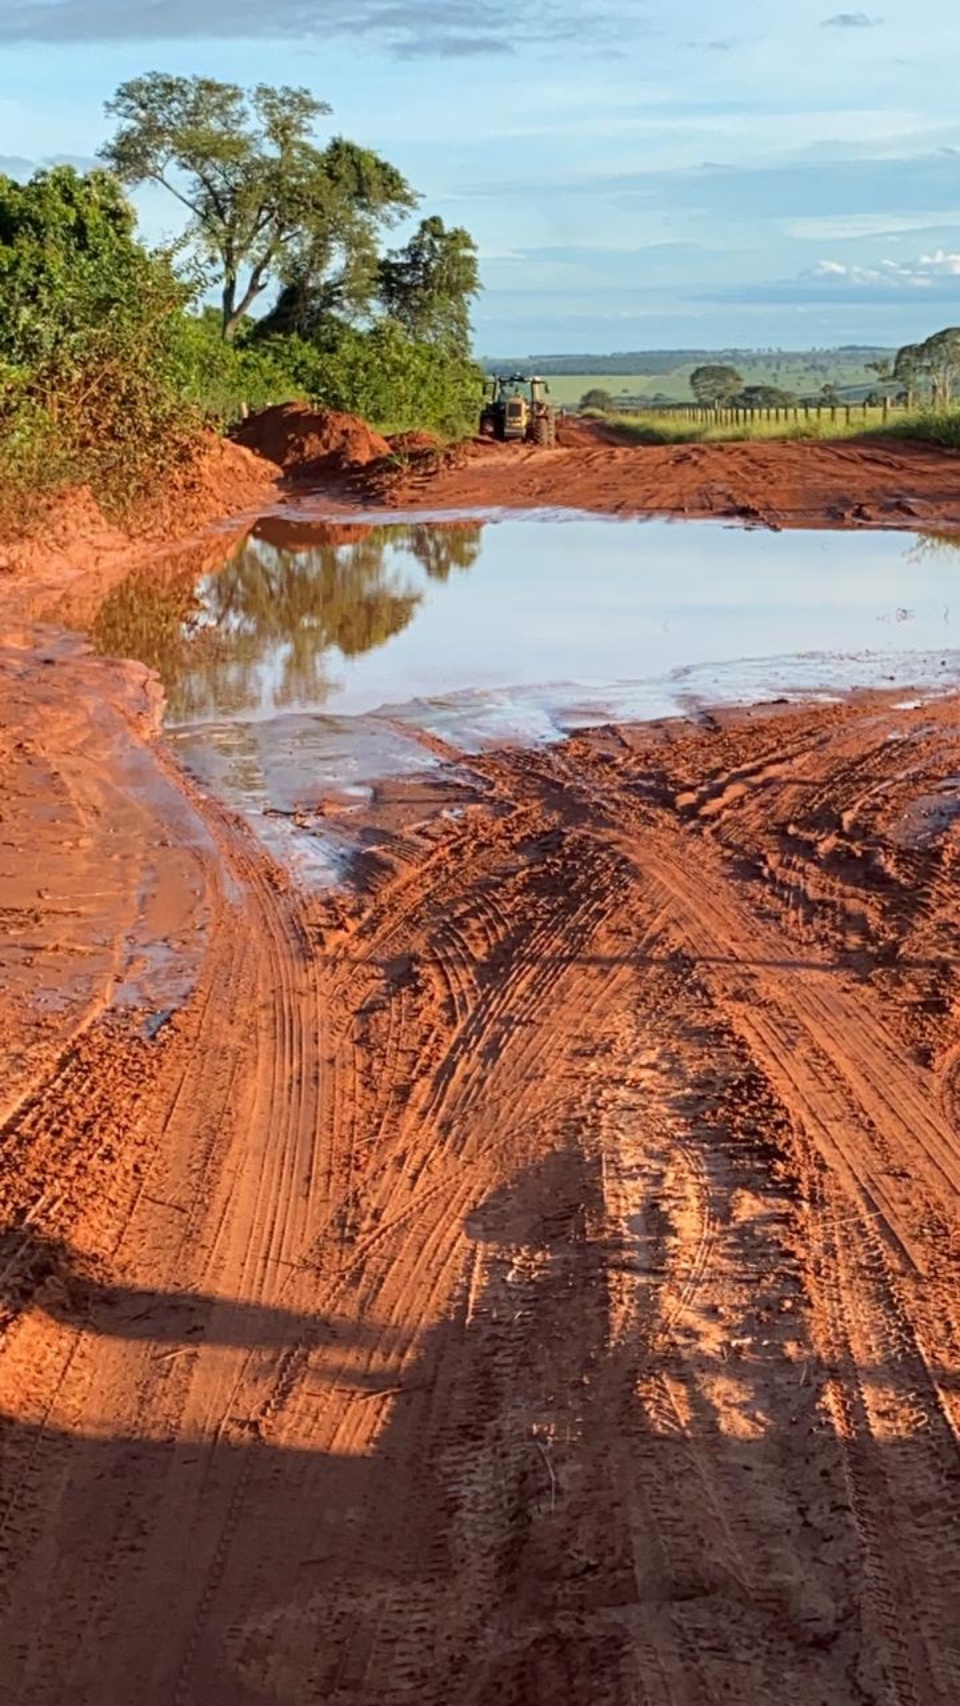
pixel 323 657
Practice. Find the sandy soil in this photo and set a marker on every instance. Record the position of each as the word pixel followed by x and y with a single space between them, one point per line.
pixel 851 483
pixel 533 1276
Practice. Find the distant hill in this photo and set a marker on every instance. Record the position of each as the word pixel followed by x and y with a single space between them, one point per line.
pixel 663 361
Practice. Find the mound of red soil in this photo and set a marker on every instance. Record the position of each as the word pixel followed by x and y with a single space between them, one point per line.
pixel 406 443
pixel 309 443
pixel 74 540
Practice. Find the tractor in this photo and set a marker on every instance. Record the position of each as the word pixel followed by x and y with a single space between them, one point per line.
pixel 516 410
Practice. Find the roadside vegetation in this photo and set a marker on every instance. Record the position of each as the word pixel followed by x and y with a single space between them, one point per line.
pixel 113 361
pixel 933 426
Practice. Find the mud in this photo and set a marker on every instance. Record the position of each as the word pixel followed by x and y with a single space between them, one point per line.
pixel 77 555
pixel 534 1272
pixel 530 1272
pixel 806 484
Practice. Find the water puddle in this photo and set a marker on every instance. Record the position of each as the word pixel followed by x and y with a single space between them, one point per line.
pixel 324 657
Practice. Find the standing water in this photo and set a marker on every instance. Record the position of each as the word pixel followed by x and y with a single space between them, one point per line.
pixel 323 657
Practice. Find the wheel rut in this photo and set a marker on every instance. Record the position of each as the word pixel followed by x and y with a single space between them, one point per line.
pixel 533 1274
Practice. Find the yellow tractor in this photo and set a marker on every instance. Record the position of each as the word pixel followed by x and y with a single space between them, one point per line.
pixel 516 410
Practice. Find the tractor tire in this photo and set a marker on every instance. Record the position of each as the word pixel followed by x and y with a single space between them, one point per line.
pixel 488 424
pixel 543 436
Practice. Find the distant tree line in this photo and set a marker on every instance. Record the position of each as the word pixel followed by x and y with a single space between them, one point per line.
pixel 655 363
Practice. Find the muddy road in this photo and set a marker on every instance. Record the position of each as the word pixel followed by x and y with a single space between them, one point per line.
pixel 848 483
pixel 532 1274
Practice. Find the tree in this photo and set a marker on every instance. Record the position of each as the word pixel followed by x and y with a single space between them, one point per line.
pixel 764 397
pixel 70 266
pixel 907 369
pixel 264 201
pixel 89 327
pixel 428 285
pixel 935 363
pixel 712 385
pixel 597 398
pixel 940 361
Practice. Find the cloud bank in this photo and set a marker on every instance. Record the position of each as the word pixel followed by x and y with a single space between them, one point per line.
pixel 458 29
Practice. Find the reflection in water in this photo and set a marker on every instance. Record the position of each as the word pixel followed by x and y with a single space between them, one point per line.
pixel 933 544
pixel 266 630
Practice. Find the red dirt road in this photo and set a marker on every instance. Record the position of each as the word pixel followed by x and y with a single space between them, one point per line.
pixel 534 1276
pixel 804 484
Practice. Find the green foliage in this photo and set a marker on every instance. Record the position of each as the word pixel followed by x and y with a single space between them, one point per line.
pixel 763 397
pixel 427 287
pixel 223 380
pixel 715 384
pixel 597 398
pixel 108 373
pixel 88 335
pixel 933 426
pixel 264 201
pixel 390 379
pixel 932 367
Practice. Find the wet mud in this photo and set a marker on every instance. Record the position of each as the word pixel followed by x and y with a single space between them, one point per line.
pixel 846 483
pixel 532 1271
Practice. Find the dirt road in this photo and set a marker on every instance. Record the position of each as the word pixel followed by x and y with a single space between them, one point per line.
pixel 533 1277
pixel 849 483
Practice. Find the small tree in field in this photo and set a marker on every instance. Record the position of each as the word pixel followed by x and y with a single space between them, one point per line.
pixel 597 398
pixel 714 384
pixel 265 201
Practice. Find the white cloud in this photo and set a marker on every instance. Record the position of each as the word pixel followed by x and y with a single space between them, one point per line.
pixel 921 274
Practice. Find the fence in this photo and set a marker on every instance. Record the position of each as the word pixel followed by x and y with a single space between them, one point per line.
pixel 731 415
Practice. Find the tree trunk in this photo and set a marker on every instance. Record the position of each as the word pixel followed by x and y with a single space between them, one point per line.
pixel 230 318
pixel 234 312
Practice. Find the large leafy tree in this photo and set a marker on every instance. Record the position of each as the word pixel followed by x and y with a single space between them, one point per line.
pixel 266 203
pixel 713 384
pixel 428 285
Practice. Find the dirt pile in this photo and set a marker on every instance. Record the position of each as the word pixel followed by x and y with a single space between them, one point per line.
pixel 405 443
pixel 311 444
pixel 78 543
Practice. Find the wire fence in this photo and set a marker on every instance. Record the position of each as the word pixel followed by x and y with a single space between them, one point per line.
pixel 723 414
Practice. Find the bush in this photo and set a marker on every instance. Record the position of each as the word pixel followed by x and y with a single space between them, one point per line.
pixel 393 381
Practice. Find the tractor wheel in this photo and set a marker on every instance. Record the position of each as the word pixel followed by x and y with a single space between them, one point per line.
pixel 488 424
pixel 541 432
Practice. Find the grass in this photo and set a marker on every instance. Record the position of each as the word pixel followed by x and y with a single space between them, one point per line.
pixel 657 427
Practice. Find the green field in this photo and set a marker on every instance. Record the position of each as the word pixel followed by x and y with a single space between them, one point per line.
pixel 940 427
pixel 797 373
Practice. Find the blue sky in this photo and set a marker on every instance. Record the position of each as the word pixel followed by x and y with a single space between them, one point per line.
pixel 649 173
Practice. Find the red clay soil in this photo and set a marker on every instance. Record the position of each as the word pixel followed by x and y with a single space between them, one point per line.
pixel 851 483
pixel 404 443
pixel 78 548
pixel 311 443
pixel 530 1274
pixel 535 1276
